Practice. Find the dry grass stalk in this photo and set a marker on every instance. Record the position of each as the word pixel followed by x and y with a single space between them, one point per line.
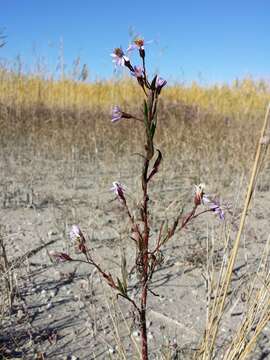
pixel 208 345
pixel 257 314
pixel 7 277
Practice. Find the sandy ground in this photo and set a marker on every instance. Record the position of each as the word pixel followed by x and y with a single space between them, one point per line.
pixel 65 311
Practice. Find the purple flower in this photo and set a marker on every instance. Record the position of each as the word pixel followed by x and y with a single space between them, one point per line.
pixel 78 238
pixel 216 208
pixel 75 233
pixel 205 199
pixel 119 57
pixel 160 83
pixel 119 190
pixel 137 44
pixel 201 198
pixel 138 72
pixel 118 114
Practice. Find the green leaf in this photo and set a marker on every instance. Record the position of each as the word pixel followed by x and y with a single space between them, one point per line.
pixel 121 287
pixel 124 271
pixel 145 110
pixel 153 127
pixel 146 124
pixel 165 231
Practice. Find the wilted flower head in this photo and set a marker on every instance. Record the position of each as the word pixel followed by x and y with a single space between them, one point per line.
pixel 118 114
pixel 160 83
pixel 119 190
pixel 199 194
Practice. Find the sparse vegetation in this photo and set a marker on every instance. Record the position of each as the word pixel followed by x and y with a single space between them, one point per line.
pixel 59 152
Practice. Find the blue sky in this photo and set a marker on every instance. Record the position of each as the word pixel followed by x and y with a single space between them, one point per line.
pixel 210 41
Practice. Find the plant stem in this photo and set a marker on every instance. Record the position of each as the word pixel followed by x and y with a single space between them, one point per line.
pixel 144 344
pixel 144 262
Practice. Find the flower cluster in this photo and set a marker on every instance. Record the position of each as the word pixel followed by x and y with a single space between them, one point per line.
pixel 139 72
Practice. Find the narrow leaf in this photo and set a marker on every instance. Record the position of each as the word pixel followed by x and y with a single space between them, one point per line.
pixel 124 271
pixel 121 287
pixel 156 165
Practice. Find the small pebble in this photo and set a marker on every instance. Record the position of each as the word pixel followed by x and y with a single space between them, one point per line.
pixel 136 333
pixel 111 351
pixel 49 306
pixel 71 357
pixel 81 305
pixel 52 293
pixel 20 314
pixel 52 233
pixel 84 284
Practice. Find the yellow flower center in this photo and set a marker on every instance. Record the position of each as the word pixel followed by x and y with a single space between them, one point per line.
pixel 119 52
pixel 139 42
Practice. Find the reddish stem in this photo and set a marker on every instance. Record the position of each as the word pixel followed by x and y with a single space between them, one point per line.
pixel 144 260
pixel 144 344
